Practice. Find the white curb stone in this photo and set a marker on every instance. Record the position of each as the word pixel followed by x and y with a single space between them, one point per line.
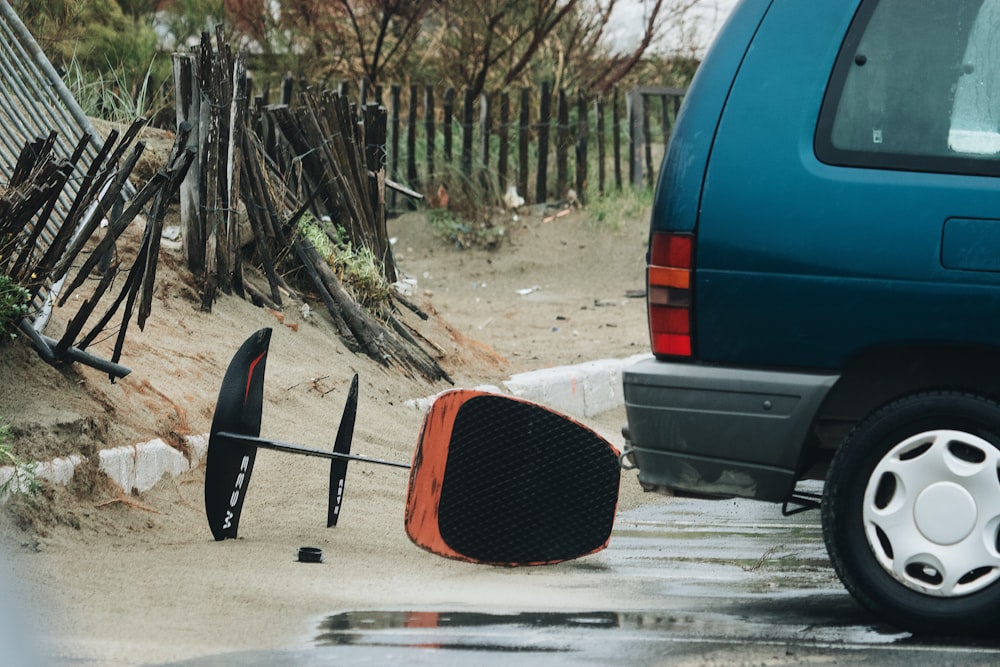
pixel 581 390
pixel 199 447
pixel 57 471
pixel 140 467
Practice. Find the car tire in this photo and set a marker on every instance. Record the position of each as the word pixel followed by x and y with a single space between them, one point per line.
pixel 911 513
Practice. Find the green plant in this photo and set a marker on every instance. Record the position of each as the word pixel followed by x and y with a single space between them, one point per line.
pixel 462 233
pixel 14 302
pixel 23 479
pixel 357 267
pixel 127 100
pixel 461 207
pixel 112 95
pixel 616 206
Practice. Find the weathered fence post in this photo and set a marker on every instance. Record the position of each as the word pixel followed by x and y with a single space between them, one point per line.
pixel 582 121
pixel 599 112
pixel 237 123
pixel 430 132
pixel 545 117
pixel 466 160
pixel 413 180
pixel 287 82
pixel 209 157
pixel 374 135
pixel 393 169
pixel 523 135
pixel 449 118
pixel 189 111
pixel 647 145
pixel 502 158
pixel 634 112
pixel 484 134
pixel 616 141
pixel 562 144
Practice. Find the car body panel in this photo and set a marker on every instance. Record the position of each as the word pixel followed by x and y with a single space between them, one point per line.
pixel 840 258
pixel 703 409
pixel 680 179
pixel 802 266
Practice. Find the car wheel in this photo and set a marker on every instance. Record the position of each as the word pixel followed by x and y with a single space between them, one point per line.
pixel 911 513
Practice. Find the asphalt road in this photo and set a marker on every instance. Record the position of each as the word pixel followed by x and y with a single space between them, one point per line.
pixel 725 583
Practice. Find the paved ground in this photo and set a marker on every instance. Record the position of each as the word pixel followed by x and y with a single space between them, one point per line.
pixel 713 583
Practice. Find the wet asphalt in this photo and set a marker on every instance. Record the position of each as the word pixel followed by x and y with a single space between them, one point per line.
pixel 735 583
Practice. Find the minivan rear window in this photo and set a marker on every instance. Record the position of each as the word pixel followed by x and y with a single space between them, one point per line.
pixel 916 86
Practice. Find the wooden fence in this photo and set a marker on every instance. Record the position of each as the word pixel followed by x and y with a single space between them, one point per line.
pixel 539 141
pixel 317 162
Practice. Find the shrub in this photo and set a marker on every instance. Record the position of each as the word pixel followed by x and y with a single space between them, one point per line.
pixel 14 301
pixel 358 268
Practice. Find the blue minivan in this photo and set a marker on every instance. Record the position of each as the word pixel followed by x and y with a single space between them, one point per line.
pixel 824 293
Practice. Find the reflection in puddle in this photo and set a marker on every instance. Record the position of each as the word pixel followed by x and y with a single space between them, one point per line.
pixel 525 631
pixel 823 622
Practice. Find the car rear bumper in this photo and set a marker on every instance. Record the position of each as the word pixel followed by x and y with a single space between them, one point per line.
pixel 720 431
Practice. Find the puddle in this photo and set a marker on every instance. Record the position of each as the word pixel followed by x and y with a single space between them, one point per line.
pixel 730 578
pixel 684 583
pixel 811 624
pixel 478 631
pixel 722 548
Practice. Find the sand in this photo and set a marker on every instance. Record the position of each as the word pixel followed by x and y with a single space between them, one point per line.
pixel 108 578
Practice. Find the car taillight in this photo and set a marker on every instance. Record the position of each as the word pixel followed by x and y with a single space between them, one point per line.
pixel 668 295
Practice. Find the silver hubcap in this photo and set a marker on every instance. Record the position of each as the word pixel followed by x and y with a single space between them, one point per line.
pixel 932 513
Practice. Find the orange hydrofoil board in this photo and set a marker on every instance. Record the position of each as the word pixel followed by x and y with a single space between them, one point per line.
pixel 505 481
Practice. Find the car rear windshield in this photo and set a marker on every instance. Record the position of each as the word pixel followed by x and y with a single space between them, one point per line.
pixel 916 87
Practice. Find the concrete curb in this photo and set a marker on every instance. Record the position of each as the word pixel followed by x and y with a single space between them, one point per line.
pixel 140 467
pixel 581 391
pixel 134 468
